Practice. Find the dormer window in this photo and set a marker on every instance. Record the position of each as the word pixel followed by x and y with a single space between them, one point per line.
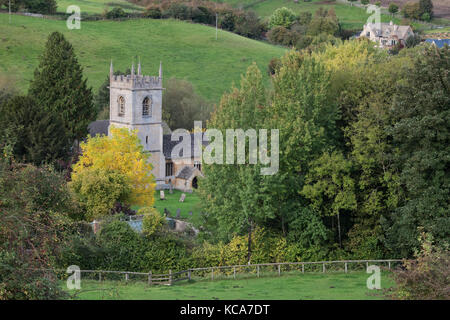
pixel 147 107
pixel 121 106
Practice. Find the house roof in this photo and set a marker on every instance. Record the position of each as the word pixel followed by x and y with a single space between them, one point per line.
pixel 440 43
pixel 387 30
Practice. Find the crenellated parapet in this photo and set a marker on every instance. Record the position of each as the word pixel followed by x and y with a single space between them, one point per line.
pixel 136 81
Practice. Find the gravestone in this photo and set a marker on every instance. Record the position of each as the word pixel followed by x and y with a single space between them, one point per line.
pixel 183 196
pixel 170 188
pixel 161 195
pixel 178 213
pixel 166 212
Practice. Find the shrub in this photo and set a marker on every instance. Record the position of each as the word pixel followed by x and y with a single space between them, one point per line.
pixel 393 8
pixel 282 17
pixel 425 278
pixel 273 66
pixel 365 2
pixel 178 11
pixel 152 220
pixel 412 41
pixel 227 21
pixel 152 12
pixel 41 6
pixel 116 13
pixel 411 10
pixel 203 15
pixel 119 242
pixel 247 24
pixel 425 17
pixel 281 35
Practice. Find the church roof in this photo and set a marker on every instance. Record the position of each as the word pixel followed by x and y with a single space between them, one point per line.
pixel 98 127
pixel 168 145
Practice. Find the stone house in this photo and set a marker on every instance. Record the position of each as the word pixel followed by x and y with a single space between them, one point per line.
pixel 386 34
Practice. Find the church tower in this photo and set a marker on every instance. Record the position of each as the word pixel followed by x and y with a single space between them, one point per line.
pixel 136 103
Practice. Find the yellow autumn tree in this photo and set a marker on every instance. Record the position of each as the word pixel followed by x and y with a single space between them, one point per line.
pixel 121 153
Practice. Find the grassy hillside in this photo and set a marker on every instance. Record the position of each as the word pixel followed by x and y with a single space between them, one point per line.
pixel 308 286
pixel 187 50
pixel 97 6
pixel 351 17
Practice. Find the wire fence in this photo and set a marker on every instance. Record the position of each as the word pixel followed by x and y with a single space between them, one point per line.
pixel 229 272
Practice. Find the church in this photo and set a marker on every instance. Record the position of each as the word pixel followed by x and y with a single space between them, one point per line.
pixel 136 103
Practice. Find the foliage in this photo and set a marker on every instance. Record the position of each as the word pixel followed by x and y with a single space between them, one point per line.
pixel 41 6
pixel 411 10
pixel 34 206
pixel 421 154
pixel 330 187
pixel 119 243
pixel 324 21
pixel 152 220
pixel 273 66
pixel 282 17
pixel 59 88
pixel 33 134
pixel 426 277
pixel 393 8
pixel 412 41
pixel 122 154
pixel 116 13
pixel 182 106
pixel 426 8
pixel 99 189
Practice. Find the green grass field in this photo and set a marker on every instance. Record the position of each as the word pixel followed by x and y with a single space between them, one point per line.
pixel 351 17
pixel 187 51
pixel 172 203
pixel 308 286
pixel 98 6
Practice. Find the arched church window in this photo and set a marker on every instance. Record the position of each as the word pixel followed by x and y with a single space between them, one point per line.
pixel 121 105
pixel 147 107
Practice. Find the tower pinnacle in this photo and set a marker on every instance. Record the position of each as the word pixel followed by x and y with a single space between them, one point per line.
pixel 139 67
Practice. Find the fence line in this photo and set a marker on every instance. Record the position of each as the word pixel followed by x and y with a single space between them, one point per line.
pixel 173 277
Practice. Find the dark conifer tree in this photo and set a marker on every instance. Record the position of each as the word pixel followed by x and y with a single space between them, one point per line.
pixel 58 86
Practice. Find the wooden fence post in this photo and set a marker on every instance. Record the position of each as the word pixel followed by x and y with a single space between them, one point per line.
pixel 367 265
pixel 234 272
pixel 100 276
pixel 212 273
pixel 345 267
pixel 170 277
pixel 149 278
pixel 303 268
pixel 257 268
pixel 189 274
pixel 389 265
pixel 323 269
pixel 126 276
pixel 279 270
